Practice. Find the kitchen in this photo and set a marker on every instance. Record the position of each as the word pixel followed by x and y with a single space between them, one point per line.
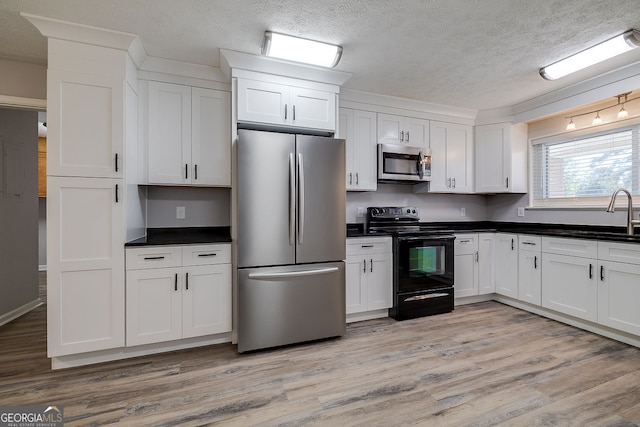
pixel 433 207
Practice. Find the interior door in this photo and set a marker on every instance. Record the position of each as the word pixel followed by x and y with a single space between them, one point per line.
pixel 321 199
pixel 266 198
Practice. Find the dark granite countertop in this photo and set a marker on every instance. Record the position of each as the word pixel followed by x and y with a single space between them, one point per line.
pixel 592 232
pixel 183 236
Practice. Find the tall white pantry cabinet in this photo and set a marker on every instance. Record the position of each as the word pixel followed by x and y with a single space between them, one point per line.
pixel 92 108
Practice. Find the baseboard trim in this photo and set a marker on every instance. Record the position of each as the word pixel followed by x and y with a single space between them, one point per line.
pixel 20 311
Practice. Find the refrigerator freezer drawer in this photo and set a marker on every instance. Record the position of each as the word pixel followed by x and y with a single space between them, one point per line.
pixel 286 305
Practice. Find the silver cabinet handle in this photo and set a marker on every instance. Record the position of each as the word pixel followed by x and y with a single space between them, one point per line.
pixel 454 183
pixel 116 162
pixel 207 255
pixel 464 241
pixel 285 111
pixel 366 246
pixel 186 281
pixel 449 183
pixel 350 178
pixel 195 172
pixel 590 271
pixel 175 283
pixel 186 171
pixel 529 243
pixel 294 113
pixel 292 199
pixel 407 136
pixel 401 136
pixel 477 257
pixel 357 179
pixel 507 182
pixel 371 265
pixel 511 244
pixel 300 199
pixel 117 193
pixel 364 265
pixel 147 258
pixel 535 262
pixel 292 274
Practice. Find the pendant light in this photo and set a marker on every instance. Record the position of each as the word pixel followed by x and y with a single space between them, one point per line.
pixel 597 120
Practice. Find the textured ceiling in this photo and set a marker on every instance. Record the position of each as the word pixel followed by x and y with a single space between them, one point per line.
pixel 479 54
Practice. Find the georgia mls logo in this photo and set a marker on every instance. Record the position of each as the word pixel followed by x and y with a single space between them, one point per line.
pixel 31 416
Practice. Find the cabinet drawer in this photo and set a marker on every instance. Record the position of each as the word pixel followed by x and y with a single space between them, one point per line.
pixel 465 244
pixel 620 252
pixel 530 243
pixel 206 254
pixel 571 247
pixel 153 257
pixel 368 245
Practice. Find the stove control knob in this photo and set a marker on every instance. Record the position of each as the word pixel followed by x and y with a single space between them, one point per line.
pixel 413 211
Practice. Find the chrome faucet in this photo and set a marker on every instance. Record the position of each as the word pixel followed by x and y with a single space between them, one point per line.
pixel 630 221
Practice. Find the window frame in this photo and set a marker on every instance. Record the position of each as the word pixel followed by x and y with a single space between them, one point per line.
pixel 596 202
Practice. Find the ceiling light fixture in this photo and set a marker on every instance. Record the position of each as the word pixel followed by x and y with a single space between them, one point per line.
pixel 615 46
pixel 622 114
pixel 597 120
pixel 297 49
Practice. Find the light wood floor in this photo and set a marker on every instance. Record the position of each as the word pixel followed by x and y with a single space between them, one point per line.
pixel 484 364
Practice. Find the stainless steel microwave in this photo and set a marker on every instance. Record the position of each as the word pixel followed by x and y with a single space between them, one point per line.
pixel 400 163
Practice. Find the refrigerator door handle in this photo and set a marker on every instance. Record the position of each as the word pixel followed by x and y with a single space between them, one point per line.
pixel 292 274
pixel 300 199
pixel 292 199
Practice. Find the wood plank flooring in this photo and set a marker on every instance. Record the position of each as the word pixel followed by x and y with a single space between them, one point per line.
pixel 482 365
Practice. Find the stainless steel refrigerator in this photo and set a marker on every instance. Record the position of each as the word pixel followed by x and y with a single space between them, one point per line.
pixel 290 238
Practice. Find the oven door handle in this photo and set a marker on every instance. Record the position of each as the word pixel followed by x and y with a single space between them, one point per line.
pixel 426 238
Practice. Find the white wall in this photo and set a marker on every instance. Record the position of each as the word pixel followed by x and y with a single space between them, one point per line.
pixel 205 207
pixel 23 79
pixel 433 207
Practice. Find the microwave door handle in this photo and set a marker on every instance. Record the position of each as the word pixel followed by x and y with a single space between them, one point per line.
pixel 420 165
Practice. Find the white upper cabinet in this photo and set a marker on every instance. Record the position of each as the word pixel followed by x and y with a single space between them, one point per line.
pixel 358 128
pixel 501 158
pixel 280 104
pixel 85 125
pixel 410 131
pixel 189 135
pixel 451 157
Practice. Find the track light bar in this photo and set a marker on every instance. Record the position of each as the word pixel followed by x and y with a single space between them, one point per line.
pixel 615 46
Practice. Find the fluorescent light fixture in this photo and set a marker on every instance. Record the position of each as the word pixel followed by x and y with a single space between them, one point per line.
pixel 615 46
pixel 298 49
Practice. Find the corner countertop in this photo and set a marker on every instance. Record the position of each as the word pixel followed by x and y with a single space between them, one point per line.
pixel 183 236
pixel 591 232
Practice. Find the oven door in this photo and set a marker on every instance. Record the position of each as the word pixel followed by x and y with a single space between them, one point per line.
pixel 424 263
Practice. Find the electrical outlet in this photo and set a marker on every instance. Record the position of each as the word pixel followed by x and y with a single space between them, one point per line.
pixel 520 211
pixel 361 212
pixel 181 212
pixel 463 212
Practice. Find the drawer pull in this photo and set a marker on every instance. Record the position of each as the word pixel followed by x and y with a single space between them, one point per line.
pixel 148 258
pixel 464 241
pixel 366 246
pixel 207 255
pixel 529 243
pixel 427 296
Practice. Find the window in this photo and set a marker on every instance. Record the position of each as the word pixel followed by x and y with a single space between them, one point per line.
pixel 587 169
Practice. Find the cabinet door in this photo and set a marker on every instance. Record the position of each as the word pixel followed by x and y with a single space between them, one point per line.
pixel 85 134
pixel 169 133
pixel 486 265
pixel 154 305
pixel 466 265
pixel 506 252
pixel 459 154
pixel 466 275
pixel 618 296
pixel 416 132
pixel 569 285
pixel 529 277
pixel 389 129
pixel 451 157
pixel 493 156
pixel 356 290
pixel 313 109
pixel 206 301
pixel 210 137
pixel 85 276
pixel 263 102
pixel 358 128
pixel 379 281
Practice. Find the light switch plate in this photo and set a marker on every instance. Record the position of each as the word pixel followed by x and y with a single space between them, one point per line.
pixel 520 211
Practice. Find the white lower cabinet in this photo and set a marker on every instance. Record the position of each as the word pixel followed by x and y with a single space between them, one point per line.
pixel 506 256
pixel 619 286
pixel 465 271
pixel 529 269
pixel 369 274
pixel 569 282
pixel 175 292
pixel 486 263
